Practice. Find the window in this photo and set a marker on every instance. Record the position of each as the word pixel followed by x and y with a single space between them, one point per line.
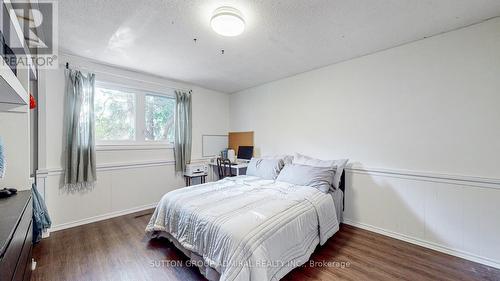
pixel 114 113
pixel 159 118
pixel 128 116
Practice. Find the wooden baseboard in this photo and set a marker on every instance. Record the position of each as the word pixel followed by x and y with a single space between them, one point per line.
pixel 426 244
pixel 100 217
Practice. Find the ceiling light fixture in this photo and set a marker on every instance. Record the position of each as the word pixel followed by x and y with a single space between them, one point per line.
pixel 227 21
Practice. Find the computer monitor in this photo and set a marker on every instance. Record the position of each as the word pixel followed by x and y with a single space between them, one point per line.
pixel 245 152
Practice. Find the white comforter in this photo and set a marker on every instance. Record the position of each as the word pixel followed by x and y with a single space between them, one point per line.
pixel 247 228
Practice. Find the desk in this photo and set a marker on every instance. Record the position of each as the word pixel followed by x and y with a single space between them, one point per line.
pixel 238 167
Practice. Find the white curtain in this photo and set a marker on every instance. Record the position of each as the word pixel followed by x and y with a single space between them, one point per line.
pixel 80 159
pixel 183 130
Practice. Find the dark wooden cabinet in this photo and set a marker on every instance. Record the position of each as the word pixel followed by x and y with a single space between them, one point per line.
pixel 16 237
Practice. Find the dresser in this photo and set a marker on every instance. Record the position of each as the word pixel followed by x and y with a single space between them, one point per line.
pixel 16 236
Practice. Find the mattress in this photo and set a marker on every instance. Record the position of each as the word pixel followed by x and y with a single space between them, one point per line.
pixel 246 228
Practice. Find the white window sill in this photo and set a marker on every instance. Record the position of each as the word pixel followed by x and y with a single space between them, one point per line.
pixel 134 146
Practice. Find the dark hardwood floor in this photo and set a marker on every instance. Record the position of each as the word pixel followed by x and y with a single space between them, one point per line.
pixel 116 249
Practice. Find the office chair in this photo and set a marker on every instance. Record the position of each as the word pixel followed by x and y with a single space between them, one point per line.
pixel 224 168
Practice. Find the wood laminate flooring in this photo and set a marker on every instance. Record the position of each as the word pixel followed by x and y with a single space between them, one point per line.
pixel 117 249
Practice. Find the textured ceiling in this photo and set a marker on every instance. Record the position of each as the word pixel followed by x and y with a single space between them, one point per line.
pixel 282 38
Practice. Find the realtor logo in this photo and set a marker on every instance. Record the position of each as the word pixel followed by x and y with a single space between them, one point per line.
pixel 29 34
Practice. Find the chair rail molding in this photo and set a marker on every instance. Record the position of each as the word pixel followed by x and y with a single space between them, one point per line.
pixel 427 176
pixel 109 166
pixel 354 169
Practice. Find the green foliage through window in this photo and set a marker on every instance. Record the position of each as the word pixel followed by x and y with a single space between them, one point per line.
pixel 114 114
pixel 159 113
pixel 123 115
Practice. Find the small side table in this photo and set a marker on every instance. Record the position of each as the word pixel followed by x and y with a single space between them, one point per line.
pixel 203 178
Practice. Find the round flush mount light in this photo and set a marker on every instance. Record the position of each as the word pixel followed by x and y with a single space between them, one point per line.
pixel 227 21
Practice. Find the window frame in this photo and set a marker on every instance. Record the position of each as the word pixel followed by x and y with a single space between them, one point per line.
pixel 139 142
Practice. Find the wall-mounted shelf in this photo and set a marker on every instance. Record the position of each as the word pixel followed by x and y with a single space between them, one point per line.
pixel 15 85
pixel 14 88
pixel 17 38
pixel 12 92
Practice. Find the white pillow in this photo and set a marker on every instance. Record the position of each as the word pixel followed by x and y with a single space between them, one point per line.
pixel 287 159
pixel 317 177
pixel 265 168
pixel 338 165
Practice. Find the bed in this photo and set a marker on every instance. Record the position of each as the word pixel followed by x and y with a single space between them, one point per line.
pixel 246 227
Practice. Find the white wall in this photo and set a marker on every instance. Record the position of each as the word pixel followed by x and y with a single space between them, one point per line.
pixel 128 180
pixel 14 130
pixel 408 118
pixel 16 133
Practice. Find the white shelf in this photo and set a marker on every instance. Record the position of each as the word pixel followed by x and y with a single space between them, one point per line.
pixel 12 92
pixel 18 39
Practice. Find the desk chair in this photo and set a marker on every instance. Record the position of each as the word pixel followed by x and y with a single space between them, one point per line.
pixel 224 168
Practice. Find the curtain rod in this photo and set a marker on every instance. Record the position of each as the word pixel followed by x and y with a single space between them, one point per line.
pixel 130 78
